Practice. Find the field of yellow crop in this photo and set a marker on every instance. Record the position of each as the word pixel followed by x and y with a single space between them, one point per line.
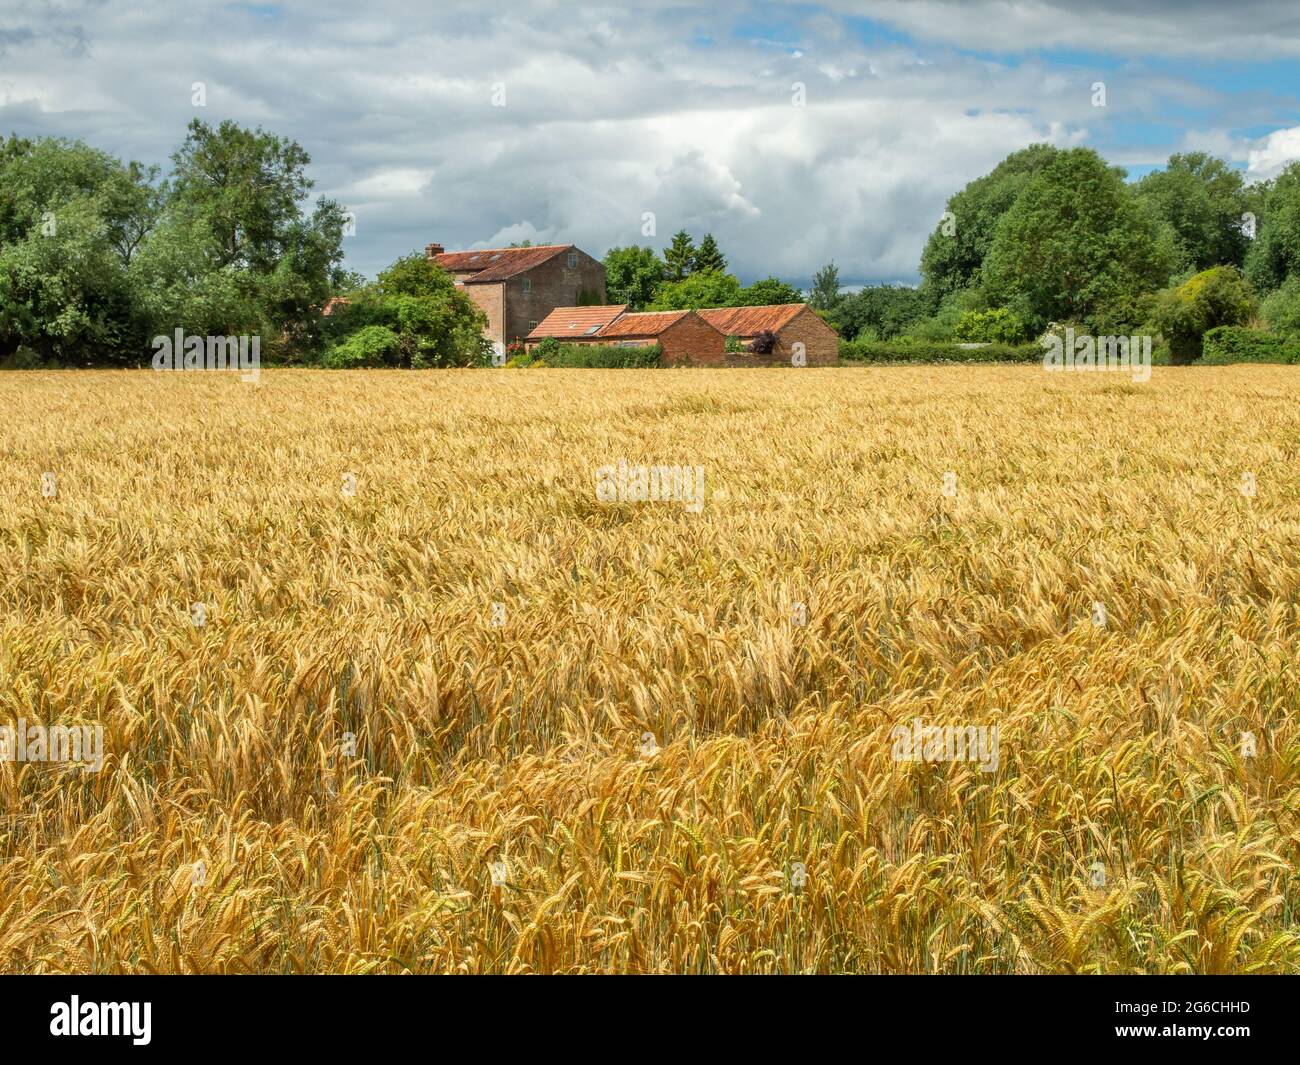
pixel 453 713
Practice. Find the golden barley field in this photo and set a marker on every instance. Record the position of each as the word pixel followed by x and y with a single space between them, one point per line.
pixel 410 734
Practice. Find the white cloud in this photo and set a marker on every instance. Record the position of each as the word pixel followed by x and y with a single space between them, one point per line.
pixel 1280 148
pixel 611 112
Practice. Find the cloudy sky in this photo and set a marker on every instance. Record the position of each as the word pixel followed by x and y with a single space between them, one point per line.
pixel 477 124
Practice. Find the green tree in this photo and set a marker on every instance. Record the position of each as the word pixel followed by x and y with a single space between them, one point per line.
pixel 708 289
pixel 66 298
pixel 632 275
pixel 1202 199
pixel 709 256
pixel 954 255
pixel 679 256
pixel 1076 238
pixel 413 316
pixel 1281 309
pixel 882 311
pixel 236 209
pixel 764 293
pixel 71 220
pixel 245 185
pixel 1275 254
pixel 826 295
pixel 1214 297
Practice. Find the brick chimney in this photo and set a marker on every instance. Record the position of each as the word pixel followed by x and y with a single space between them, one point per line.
pixel 431 250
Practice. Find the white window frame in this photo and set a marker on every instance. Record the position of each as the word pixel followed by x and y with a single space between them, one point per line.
pixel 572 260
pixel 528 284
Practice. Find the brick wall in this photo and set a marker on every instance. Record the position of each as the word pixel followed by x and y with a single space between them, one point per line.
pixel 491 300
pixel 821 344
pixel 553 284
pixel 692 342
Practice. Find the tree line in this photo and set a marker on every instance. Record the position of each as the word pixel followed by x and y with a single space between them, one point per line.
pixel 98 256
pixel 1054 237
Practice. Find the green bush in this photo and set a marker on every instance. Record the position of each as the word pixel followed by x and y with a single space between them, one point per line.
pixel 371 345
pixel 1214 297
pixel 417 302
pixel 1232 343
pixel 922 351
pixel 603 356
pixel 998 326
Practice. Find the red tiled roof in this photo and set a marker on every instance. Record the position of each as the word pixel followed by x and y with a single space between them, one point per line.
pixel 747 321
pixel 497 264
pixel 642 323
pixel 566 323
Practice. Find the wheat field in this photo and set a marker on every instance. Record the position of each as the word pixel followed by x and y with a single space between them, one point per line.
pixel 454 714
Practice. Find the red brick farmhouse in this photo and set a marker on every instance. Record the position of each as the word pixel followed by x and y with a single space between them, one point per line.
pixel 518 287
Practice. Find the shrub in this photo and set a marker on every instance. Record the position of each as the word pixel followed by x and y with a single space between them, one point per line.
pixel 1214 297
pixel 1230 343
pixel 764 342
pixel 604 356
pixel 998 326
pixel 921 351
pixel 734 344
pixel 371 345
pixel 416 301
pixel 545 349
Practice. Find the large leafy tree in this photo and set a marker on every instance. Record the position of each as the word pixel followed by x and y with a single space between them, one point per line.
pixel 97 256
pixel 1275 254
pixel 235 222
pixel 1203 201
pixel 71 221
pixel 246 186
pixel 1076 239
pixel 632 275
pixel 955 252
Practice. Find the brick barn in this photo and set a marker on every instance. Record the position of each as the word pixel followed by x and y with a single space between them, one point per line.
pixel 518 287
pixel 790 322
pixel 685 337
